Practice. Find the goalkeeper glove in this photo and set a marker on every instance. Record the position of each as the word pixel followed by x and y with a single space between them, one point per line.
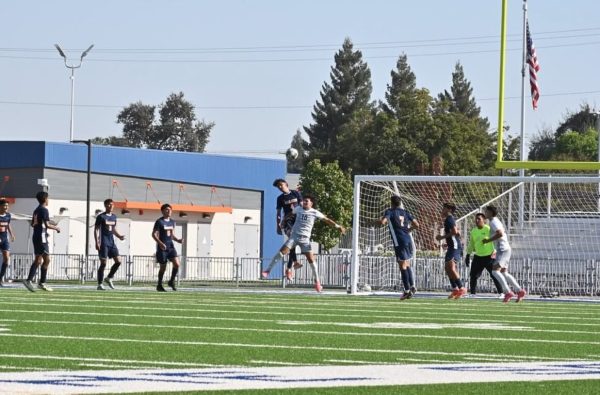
pixel 467 260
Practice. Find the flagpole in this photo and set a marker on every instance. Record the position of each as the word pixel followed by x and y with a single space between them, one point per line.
pixel 522 150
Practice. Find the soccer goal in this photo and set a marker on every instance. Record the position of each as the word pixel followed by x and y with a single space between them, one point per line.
pixel 553 224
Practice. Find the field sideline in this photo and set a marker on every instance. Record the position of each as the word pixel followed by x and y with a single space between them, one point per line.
pixel 79 340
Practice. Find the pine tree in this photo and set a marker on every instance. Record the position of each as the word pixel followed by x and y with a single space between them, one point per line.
pixel 349 91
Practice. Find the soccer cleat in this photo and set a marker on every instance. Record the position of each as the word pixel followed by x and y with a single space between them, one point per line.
pixel 507 297
pixel 172 285
pixel 44 287
pixel 520 295
pixel 264 275
pixel 297 265
pixel 413 290
pixel 289 274
pixel 160 288
pixel 109 282
pixel 101 287
pixel 406 295
pixel 318 286
pixel 29 285
pixel 461 292
pixel 501 296
pixel 453 294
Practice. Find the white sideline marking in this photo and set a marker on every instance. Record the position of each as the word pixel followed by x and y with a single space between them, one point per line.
pixel 108 360
pixel 3 328
pixel 415 325
pixel 172 380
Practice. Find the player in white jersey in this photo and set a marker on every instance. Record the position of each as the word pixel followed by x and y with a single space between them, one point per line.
pixel 503 251
pixel 306 216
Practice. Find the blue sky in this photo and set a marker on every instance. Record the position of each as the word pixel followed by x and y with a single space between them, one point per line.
pixel 256 68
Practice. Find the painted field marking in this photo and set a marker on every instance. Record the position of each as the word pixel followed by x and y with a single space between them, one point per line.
pixel 109 360
pixel 123 381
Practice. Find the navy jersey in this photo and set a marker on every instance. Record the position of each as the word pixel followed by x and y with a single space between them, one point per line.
pixel 106 223
pixel 399 224
pixel 453 242
pixel 38 221
pixel 165 230
pixel 287 201
pixel 4 222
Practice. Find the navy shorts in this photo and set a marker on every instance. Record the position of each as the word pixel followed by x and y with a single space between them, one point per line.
pixel 40 248
pixel 163 256
pixel 107 251
pixel 403 252
pixel 4 244
pixel 453 255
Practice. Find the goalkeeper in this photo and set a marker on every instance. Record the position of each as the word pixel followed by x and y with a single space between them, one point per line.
pixel 483 253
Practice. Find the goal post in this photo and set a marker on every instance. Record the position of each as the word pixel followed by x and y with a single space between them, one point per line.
pixel 553 224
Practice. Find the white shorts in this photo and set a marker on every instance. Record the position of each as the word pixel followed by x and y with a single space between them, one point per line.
pixel 294 241
pixel 502 258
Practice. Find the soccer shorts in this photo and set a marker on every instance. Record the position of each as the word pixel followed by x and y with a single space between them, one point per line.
pixel 294 241
pixel 403 252
pixel 502 258
pixel 40 248
pixel 4 244
pixel 453 255
pixel 163 256
pixel 108 251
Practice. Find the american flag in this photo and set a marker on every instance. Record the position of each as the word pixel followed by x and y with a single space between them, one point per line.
pixel 534 67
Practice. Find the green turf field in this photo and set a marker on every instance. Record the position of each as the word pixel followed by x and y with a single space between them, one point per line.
pixel 84 329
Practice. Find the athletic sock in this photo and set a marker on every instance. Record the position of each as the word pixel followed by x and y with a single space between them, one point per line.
pixel 32 272
pixel 411 278
pixel 498 276
pixel 292 258
pixel 43 274
pixel 453 283
pixel 3 270
pixel 315 271
pixel 101 272
pixel 113 269
pixel 511 280
pixel 161 274
pixel 174 273
pixel 459 283
pixel 405 282
pixel 274 260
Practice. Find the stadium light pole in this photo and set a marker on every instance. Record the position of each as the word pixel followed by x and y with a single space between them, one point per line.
pixel 87 198
pixel 72 67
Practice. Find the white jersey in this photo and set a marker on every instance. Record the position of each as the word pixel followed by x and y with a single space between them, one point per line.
pixel 305 220
pixel 500 244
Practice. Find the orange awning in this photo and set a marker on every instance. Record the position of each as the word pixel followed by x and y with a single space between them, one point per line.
pixel 189 208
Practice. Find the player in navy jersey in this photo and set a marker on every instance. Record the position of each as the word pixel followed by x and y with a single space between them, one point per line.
pixel 104 231
pixel 163 234
pixel 454 251
pixel 6 237
pixel 40 222
pixel 400 223
pixel 286 203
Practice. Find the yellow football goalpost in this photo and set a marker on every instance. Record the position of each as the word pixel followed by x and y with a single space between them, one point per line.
pixel 544 165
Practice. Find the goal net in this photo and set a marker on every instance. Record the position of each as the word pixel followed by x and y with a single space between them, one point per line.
pixel 553 225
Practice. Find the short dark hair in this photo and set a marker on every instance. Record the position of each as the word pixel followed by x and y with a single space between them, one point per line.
pixel 41 196
pixel 277 181
pixel 450 206
pixel 492 209
pixel 311 198
pixel 395 200
pixel 480 215
pixel 107 202
pixel 3 202
pixel 164 206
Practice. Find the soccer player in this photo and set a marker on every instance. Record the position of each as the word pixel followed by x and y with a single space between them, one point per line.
pixel 483 253
pixel 306 215
pixel 454 251
pixel 163 234
pixel 104 231
pixel 400 223
pixel 6 237
pixel 40 222
pixel 286 203
pixel 503 252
